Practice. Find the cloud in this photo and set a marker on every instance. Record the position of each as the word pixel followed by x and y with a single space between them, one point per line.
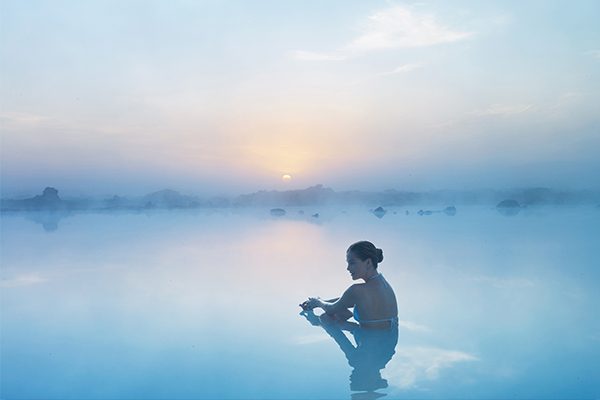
pixel 594 54
pixel 495 109
pixel 308 339
pixel 396 27
pixel 23 280
pixel 16 120
pixel 309 56
pixel 412 365
pixel 414 327
pixel 572 94
pixel 406 68
pixel 503 109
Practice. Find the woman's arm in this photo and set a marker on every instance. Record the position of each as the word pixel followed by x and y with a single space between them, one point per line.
pixel 332 306
pixel 313 302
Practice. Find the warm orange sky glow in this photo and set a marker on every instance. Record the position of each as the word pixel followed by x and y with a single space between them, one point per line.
pixel 383 95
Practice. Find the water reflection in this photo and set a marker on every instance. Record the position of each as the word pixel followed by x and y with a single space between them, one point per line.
pixel 370 355
pixel 48 220
pixel 508 211
pixel 121 305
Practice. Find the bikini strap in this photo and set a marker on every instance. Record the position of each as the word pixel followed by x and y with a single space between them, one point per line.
pixel 384 281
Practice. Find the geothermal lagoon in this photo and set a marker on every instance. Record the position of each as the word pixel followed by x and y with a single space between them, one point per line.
pixel 203 303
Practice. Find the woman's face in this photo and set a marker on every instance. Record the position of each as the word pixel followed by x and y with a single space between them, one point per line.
pixel 356 267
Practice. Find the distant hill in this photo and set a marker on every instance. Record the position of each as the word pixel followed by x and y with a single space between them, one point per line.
pixel 317 195
pixel 48 200
pixel 314 195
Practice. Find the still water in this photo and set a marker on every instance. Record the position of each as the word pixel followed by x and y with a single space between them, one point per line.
pixel 204 304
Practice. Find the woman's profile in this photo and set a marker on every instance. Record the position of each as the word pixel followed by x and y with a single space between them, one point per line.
pixel 373 302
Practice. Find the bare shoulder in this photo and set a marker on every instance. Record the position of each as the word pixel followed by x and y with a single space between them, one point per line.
pixel 356 289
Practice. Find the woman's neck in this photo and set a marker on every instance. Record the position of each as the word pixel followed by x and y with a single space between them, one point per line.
pixel 373 275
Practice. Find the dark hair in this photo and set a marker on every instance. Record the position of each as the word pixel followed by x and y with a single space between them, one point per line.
pixel 364 250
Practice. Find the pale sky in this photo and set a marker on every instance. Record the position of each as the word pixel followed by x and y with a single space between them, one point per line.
pixel 127 97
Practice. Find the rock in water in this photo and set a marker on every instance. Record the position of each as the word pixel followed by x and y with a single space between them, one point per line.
pixel 450 210
pixel 509 203
pixel 379 212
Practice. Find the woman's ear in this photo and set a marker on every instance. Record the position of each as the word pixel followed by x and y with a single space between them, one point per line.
pixel 369 263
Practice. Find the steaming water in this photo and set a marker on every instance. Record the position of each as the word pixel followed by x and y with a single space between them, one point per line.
pixel 204 304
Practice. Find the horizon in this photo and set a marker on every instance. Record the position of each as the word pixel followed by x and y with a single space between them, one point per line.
pixel 514 190
pixel 232 97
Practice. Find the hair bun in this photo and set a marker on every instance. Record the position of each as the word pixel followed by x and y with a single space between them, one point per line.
pixel 366 250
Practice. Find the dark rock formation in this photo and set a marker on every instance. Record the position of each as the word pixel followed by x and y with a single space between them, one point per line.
pixel 450 210
pixel 48 201
pixel 168 198
pixel 277 212
pixel 314 195
pixel 509 203
pixel 379 212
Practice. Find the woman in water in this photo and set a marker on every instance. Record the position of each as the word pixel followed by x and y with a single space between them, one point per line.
pixel 374 301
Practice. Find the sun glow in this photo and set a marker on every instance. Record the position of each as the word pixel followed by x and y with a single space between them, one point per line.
pixel 286 178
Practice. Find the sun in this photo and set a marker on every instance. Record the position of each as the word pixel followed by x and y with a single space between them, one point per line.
pixel 286 178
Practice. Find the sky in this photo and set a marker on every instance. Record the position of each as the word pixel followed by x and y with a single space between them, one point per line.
pixel 127 97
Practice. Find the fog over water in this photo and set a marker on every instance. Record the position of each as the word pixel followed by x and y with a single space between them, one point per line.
pixel 204 303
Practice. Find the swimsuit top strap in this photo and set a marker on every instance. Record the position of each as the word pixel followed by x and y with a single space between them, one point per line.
pixel 384 281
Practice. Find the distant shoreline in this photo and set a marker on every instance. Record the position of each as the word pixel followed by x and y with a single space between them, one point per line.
pixel 316 195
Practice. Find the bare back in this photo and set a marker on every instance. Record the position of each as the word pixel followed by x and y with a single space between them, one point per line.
pixel 375 302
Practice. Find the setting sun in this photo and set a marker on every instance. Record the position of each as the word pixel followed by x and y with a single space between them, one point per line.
pixel 286 178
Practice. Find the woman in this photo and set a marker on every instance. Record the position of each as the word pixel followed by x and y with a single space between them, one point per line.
pixel 374 301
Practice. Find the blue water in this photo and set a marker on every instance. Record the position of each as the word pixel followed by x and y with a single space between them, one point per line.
pixel 204 304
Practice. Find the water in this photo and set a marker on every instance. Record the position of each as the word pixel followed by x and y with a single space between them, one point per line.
pixel 204 304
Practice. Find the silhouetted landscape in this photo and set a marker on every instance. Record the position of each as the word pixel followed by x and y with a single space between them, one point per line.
pixel 316 195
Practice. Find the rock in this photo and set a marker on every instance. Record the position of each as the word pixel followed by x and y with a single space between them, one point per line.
pixel 450 210
pixel 406 212
pixel 278 212
pixel 509 207
pixel 315 215
pixel 421 212
pixel 301 212
pixel 379 212
pixel 47 201
pixel 509 203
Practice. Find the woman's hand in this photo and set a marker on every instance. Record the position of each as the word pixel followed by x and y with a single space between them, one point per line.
pixel 311 303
